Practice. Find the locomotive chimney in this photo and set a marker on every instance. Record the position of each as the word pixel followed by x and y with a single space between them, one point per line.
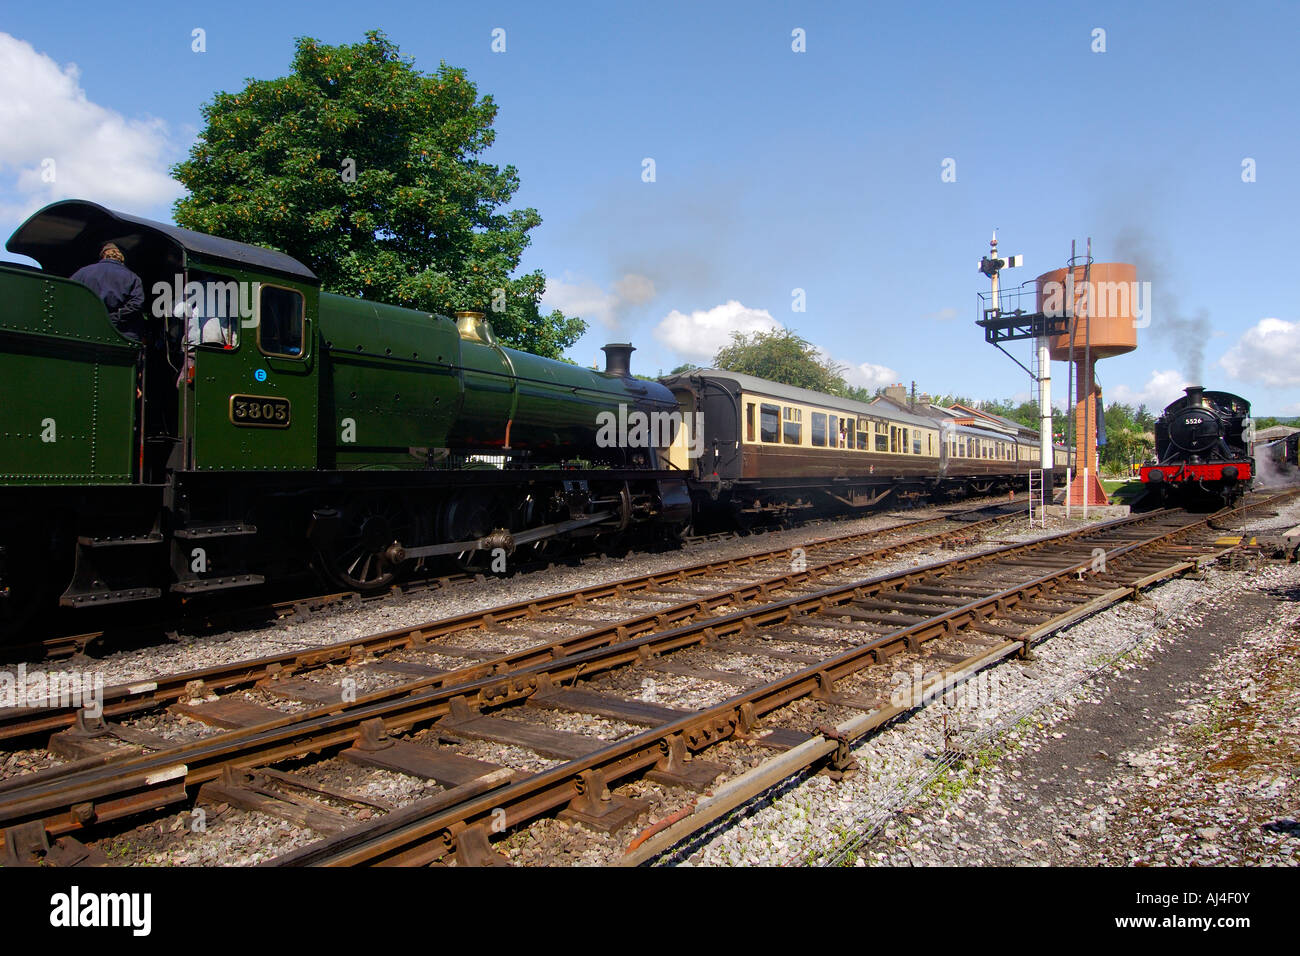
pixel 618 359
pixel 1195 394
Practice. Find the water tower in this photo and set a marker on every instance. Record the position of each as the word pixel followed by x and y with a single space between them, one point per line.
pixel 1099 299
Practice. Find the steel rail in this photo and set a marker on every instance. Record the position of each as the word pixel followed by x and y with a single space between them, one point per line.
pixel 70 796
pixel 416 837
pixel 99 790
pixel 71 644
pixel 156 692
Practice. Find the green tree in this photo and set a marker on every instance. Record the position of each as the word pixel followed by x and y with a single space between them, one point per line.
pixel 365 169
pixel 781 355
pixel 1126 438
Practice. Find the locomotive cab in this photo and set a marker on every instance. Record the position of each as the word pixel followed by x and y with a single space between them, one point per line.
pixel 225 374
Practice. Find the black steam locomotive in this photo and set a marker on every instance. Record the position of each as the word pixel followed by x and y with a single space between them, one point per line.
pixel 1202 448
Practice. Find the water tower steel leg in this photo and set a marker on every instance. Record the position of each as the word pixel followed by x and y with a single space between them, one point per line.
pixel 1045 451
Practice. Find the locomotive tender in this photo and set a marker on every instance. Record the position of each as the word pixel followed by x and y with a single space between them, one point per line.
pixel 1202 448
pixel 300 427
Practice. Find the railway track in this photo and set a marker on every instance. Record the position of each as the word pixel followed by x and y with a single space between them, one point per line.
pixel 970 611
pixel 976 608
pixel 64 646
pixel 839 552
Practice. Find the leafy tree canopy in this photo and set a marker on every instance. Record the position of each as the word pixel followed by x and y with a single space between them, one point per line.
pixel 365 169
pixel 782 355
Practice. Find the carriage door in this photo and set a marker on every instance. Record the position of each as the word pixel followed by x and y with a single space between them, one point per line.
pixel 253 396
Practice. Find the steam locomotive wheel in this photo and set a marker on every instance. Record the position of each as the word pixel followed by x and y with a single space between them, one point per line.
pixel 358 557
pixel 468 515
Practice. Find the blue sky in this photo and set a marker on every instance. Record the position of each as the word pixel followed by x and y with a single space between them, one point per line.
pixel 778 170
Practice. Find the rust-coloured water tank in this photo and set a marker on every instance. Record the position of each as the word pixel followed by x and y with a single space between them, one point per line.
pixel 1111 308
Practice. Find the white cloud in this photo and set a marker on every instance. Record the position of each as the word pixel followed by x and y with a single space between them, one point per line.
pixel 867 375
pixel 1268 353
pixel 97 153
pixel 587 300
pixel 1161 389
pixel 862 375
pixel 699 335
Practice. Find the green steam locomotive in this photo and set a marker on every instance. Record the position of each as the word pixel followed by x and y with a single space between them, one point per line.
pixel 264 425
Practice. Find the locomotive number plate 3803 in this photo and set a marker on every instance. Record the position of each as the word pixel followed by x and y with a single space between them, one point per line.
pixel 259 411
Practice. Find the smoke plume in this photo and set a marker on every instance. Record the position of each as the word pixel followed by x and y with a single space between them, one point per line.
pixel 1184 332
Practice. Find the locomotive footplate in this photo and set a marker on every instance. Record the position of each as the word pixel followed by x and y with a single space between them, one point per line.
pixel 212 557
pixel 112 569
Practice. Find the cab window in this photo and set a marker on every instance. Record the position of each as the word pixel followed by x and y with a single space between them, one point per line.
pixel 209 313
pixel 280 321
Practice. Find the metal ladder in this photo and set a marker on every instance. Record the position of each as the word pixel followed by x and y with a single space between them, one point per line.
pixel 1037 511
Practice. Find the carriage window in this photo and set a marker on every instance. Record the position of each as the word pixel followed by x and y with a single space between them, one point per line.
pixel 864 428
pixel 792 433
pixel 280 321
pixel 903 446
pixel 749 421
pixel 882 443
pixel 916 443
pixel 771 421
pixel 819 429
pixel 833 431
